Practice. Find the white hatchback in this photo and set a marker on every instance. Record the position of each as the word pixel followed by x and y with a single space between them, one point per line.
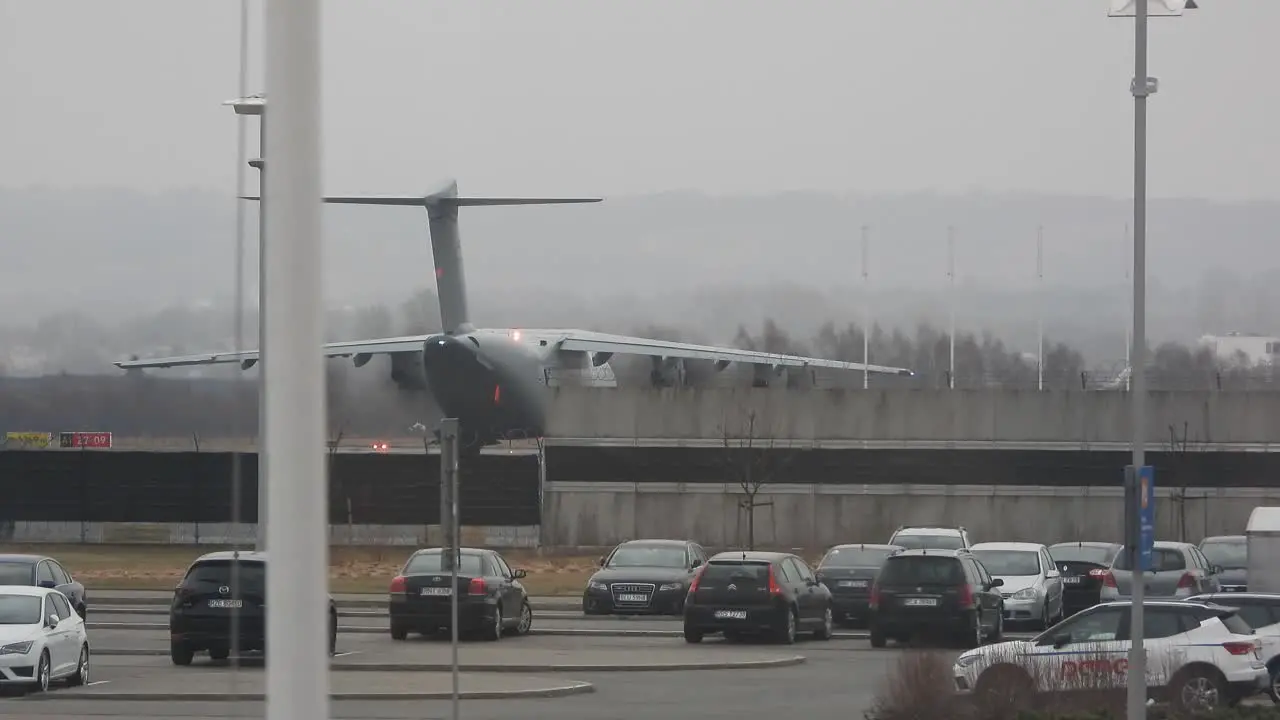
pixel 1199 656
pixel 41 639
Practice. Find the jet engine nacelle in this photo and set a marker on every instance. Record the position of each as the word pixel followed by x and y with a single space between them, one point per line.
pixel 408 371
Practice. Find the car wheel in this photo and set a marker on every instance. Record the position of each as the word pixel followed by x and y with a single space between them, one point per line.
pixel 1273 690
pixel 43 671
pixel 692 634
pixel 878 640
pixel 998 633
pixel 1044 616
pixel 180 653
pixel 333 634
pixel 1198 691
pixel 494 631
pixel 972 638
pixel 787 633
pixel 1006 687
pixel 399 631
pixel 526 619
pixel 82 668
pixel 827 630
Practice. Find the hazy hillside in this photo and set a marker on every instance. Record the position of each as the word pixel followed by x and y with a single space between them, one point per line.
pixel 679 259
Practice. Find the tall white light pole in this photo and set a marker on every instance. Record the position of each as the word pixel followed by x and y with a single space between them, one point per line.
pixel 1040 308
pixel 297 680
pixel 951 278
pixel 257 105
pixel 1141 86
pixel 866 308
pixel 1128 328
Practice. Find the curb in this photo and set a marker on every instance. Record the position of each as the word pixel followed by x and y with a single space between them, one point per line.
pixel 527 669
pixel 573 688
pixel 542 603
pixel 533 632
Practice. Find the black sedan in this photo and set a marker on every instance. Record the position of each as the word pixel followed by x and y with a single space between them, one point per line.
pixel 642 577
pixel 491 599
pixel 849 571
pixel 1083 565
pixel 41 571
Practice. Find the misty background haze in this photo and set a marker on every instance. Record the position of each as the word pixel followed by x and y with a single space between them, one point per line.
pixel 740 146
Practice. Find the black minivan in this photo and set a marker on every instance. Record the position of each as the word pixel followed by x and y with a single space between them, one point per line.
pixel 944 593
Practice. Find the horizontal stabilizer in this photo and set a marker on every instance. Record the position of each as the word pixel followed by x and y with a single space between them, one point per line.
pixel 424 201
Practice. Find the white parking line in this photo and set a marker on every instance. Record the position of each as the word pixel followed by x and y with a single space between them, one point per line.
pixel 98 682
pixel 349 652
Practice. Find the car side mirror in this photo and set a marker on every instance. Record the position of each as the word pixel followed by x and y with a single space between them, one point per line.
pixel 517 574
pixel 51 621
pixel 997 582
pixel 46 584
pixel 1053 574
pixel 1061 639
pixel 697 562
pixel 601 563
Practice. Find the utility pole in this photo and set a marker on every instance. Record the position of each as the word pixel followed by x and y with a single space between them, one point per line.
pixel 866 309
pixel 951 277
pixel 1040 308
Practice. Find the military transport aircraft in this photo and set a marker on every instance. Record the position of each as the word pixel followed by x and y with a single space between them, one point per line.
pixel 495 381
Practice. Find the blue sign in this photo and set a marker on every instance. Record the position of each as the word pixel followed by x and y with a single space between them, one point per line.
pixel 1146 515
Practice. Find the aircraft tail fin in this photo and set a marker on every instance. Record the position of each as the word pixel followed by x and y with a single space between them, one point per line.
pixel 446 245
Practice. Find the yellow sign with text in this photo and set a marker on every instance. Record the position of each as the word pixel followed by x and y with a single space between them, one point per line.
pixel 28 439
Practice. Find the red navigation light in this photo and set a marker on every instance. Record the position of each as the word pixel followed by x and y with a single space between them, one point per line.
pixel 380 447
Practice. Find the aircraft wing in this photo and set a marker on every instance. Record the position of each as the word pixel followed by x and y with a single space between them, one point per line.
pixel 577 340
pixel 247 359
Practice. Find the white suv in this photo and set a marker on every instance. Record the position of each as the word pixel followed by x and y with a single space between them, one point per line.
pixel 1200 656
pixel 931 537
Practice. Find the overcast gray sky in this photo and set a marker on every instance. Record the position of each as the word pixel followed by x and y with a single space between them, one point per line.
pixel 628 97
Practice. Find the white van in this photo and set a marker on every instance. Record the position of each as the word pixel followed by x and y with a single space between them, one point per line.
pixel 1263 537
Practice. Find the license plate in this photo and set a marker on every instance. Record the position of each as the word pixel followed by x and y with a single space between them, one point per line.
pixel 920 602
pixel 731 614
pixel 226 603
pixel 853 583
pixel 1070 581
pixel 633 597
pixel 437 591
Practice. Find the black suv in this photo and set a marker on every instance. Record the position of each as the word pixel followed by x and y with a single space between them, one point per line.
pixel 200 617
pixel 748 593
pixel 936 592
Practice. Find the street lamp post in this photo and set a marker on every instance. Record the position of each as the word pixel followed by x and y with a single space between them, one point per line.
pixel 1142 86
pixel 257 105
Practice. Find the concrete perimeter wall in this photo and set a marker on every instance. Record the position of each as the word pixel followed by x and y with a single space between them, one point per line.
pixel 125 533
pixel 817 516
pixel 911 415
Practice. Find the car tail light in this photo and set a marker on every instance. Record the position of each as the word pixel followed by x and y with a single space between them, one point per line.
pixel 477 587
pixel 874 602
pixel 1238 648
pixel 693 586
pixel 774 587
pixel 1098 573
pixel 397 584
pixel 965 595
pixel 1186 581
pixel 1109 579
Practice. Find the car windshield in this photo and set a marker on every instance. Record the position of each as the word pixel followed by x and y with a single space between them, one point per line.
pixel 435 563
pixel 1162 560
pixel 734 571
pixel 20 609
pixel 1098 555
pixel 922 570
pixel 928 542
pixel 1230 554
pixel 852 557
pixel 648 556
pixel 252 575
pixel 12 573
pixel 1009 563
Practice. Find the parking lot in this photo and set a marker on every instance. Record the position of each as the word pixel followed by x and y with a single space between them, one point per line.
pixel 574 667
